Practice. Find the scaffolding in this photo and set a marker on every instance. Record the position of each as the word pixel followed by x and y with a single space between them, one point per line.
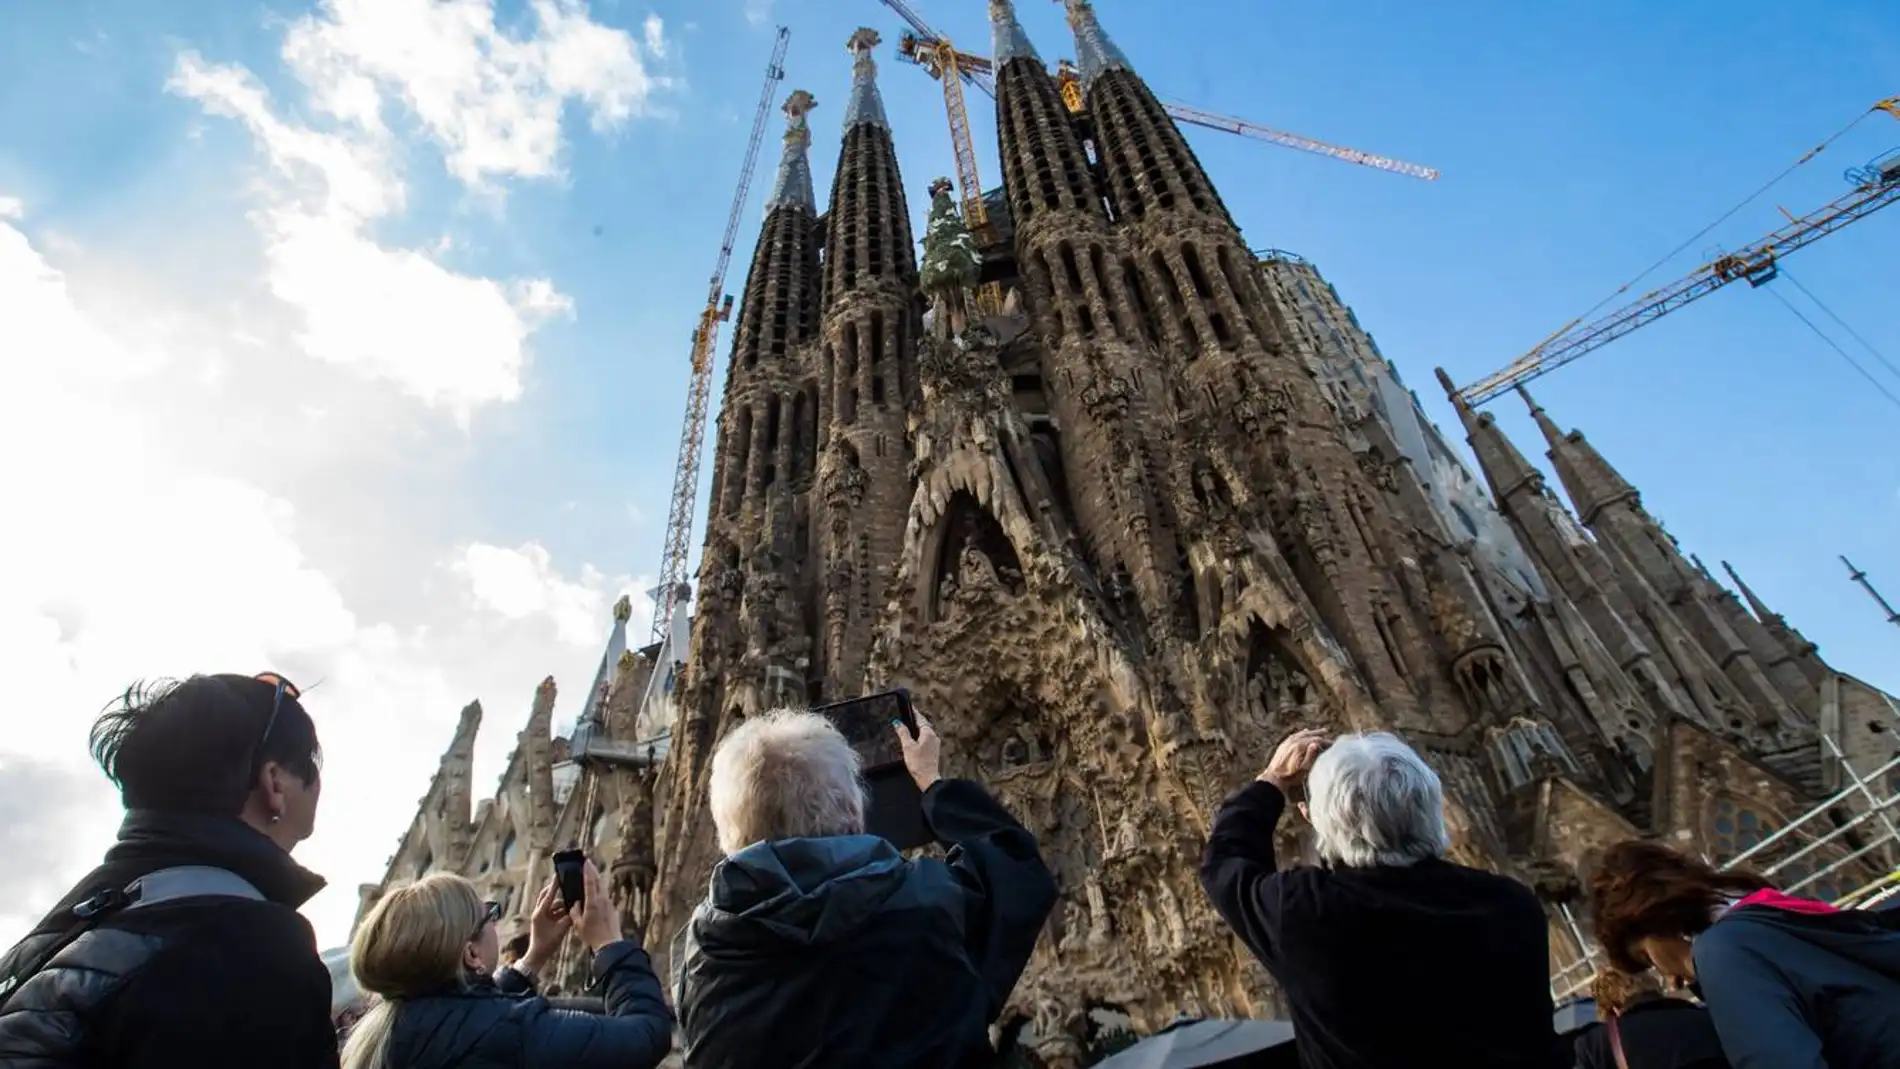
pixel 1870 837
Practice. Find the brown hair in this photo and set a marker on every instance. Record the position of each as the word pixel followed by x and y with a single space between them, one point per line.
pixel 1613 990
pixel 1642 889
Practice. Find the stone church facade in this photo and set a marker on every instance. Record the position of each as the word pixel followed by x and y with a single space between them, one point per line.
pixel 1166 505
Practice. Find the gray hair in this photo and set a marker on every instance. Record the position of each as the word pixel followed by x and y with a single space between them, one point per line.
pixel 786 775
pixel 1374 801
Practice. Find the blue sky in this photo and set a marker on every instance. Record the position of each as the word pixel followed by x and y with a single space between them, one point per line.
pixel 446 399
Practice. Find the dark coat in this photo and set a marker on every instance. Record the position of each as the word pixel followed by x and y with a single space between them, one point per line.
pixel 1658 1033
pixel 837 952
pixel 209 983
pixel 1379 965
pixel 1803 991
pixel 487 1027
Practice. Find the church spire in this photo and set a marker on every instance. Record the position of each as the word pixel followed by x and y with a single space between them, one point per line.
pixel 793 188
pixel 1588 478
pixel 1095 52
pixel 1505 467
pixel 867 104
pixel 1008 41
pixel 1755 605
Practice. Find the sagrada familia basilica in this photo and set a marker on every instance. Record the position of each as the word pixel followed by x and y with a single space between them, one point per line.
pixel 1122 502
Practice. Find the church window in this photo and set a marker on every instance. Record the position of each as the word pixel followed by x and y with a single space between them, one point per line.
pixel 425 861
pixel 597 831
pixel 1071 272
pixel 510 851
pixel 1464 519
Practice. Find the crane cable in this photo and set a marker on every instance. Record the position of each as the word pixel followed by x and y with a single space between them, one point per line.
pixel 1832 344
pixel 1842 323
pixel 1726 216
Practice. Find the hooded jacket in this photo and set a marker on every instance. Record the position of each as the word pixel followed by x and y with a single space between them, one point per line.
pixel 1801 990
pixel 503 1026
pixel 839 952
pixel 210 983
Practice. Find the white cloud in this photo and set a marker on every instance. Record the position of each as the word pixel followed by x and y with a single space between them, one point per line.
pixel 522 583
pixel 185 495
pixel 757 11
pixel 492 100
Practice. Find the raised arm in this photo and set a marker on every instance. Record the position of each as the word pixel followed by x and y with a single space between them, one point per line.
pixel 1238 869
pixel 635 1032
pixel 1008 888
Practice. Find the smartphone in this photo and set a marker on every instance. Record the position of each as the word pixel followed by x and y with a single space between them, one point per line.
pixel 894 808
pixel 568 877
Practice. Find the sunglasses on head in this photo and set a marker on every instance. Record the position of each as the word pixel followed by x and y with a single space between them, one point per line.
pixel 491 914
pixel 284 688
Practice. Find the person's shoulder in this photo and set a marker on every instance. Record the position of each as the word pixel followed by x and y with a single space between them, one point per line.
pixel 222 943
pixel 1507 890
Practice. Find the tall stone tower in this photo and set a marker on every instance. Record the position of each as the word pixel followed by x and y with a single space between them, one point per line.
pixel 866 374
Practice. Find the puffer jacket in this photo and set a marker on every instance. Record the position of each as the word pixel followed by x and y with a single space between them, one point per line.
pixel 484 1027
pixel 838 953
pixel 212 983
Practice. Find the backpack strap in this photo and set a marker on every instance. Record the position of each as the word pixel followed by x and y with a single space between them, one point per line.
pixel 151 889
pixel 188 881
pixel 1616 1045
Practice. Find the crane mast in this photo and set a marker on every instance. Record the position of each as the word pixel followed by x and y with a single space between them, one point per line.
pixel 679 515
pixel 1875 186
pixel 934 52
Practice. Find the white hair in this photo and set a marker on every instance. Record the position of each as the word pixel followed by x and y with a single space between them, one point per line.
pixel 786 775
pixel 1374 801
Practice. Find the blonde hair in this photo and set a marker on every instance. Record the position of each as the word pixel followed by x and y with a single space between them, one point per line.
pixel 787 774
pixel 411 944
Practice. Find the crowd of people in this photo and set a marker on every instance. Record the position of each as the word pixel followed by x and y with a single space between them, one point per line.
pixel 820 945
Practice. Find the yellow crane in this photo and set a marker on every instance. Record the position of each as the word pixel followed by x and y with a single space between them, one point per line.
pixel 935 53
pixel 1874 187
pixel 679 515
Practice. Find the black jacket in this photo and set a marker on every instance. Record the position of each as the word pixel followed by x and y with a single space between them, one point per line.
pixel 209 983
pixel 1803 991
pixel 1658 1033
pixel 835 953
pixel 486 1027
pixel 1379 964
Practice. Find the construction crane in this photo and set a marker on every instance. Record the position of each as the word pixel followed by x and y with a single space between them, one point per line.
pixel 943 61
pixel 1874 187
pixel 679 514
pixel 933 52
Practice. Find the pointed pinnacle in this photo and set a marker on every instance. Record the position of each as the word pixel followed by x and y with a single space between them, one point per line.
pixel 867 104
pixel 1008 41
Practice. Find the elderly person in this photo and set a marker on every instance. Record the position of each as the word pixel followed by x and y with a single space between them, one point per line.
pixel 820 945
pixel 1389 955
pixel 1791 983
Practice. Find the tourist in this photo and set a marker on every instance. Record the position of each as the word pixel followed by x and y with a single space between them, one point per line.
pixel 185 947
pixel 1792 983
pixel 1642 1028
pixel 1389 955
pixel 429 951
pixel 820 945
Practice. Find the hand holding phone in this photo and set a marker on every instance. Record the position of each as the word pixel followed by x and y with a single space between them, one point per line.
pixel 570 876
pixel 923 750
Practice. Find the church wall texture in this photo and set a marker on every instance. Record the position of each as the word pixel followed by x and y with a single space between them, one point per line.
pixel 1169 505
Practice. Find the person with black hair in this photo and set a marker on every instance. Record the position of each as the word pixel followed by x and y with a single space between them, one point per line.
pixel 185 947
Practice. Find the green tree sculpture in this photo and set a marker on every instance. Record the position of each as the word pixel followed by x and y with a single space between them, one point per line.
pixel 951 264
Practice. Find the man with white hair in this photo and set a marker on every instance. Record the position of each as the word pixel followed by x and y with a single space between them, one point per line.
pixel 820 945
pixel 1389 955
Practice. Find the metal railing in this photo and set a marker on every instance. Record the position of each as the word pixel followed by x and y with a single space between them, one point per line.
pixel 1881 821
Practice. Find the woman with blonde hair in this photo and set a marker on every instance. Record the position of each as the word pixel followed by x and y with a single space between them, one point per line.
pixel 429 950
